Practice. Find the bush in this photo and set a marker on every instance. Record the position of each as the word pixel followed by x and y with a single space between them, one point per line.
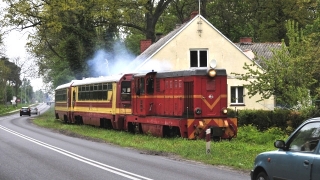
pixel 285 120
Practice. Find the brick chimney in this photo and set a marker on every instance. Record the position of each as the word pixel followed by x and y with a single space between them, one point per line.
pixel 144 44
pixel 246 40
pixel 193 14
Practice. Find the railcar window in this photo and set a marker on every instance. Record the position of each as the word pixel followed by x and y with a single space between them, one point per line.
pixel 125 91
pixel 94 92
pixel 109 86
pixel 61 95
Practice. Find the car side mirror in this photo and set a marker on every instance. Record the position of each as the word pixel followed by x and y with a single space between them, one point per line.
pixel 279 144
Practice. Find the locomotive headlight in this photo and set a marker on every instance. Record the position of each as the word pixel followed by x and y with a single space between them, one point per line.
pixel 224 110
pixel 212 72
pixel 198 111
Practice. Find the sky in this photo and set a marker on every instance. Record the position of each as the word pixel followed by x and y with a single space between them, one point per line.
pixel 14 43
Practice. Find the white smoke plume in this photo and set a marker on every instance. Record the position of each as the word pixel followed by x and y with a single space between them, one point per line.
pixel 109 63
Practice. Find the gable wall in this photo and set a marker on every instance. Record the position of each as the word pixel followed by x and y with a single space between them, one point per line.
pixel 175 56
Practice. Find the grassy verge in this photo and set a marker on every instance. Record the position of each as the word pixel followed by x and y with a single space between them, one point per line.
pixel 4 109
pixel 238 153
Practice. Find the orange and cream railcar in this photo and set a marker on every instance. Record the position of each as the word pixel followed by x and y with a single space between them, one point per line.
pixel 165 104
pixel 102 101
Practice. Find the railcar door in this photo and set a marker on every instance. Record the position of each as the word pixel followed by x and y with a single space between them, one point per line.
pixel 71 102
pixel 188 99
pixel 177 97
pixel 168 97
pixel 139 96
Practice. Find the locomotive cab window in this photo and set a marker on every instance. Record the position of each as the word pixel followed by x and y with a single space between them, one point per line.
pixel 150 85
pixel 125 91
pixel 140 86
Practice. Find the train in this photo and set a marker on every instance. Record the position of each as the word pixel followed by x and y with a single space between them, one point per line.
pixel 185 103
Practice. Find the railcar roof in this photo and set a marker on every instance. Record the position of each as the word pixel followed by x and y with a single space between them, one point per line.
pixel 93 80
pixel 190 72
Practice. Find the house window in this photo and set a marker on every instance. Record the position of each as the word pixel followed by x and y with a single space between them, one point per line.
pixel 237 95
pixel 198 58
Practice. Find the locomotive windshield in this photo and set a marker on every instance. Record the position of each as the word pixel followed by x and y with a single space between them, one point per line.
pixel 125 91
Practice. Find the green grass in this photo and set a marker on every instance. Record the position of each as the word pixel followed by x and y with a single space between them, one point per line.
pixel 238 153
pixel 4 109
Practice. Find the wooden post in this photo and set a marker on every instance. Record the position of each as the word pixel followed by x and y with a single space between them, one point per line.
pixel 208 132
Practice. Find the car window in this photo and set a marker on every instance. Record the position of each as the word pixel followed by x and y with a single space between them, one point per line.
pixel 306 139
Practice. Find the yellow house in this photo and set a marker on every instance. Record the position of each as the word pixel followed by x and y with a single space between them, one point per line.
pixel 195 44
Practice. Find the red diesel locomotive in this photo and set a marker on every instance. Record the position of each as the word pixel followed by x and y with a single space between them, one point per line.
pixel 165 104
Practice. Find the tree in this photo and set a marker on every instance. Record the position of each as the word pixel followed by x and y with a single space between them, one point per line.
pixel 4 75
pixel 312 33
pixel 13 78
pixel 270 17
pixel 288 75
pixel 147 14
pixel 68 33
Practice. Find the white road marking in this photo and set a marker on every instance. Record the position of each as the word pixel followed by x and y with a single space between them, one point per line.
pixel 97 164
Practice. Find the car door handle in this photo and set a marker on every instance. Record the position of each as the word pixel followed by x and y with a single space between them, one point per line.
pixel 306 162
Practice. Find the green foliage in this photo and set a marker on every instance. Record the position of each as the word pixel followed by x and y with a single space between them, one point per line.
pixel 9 109
pixel 251 135
pixel 232 112
pixel 287 75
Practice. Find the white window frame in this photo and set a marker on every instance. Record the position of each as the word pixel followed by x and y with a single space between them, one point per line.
pixel 237 95
pixel 198 57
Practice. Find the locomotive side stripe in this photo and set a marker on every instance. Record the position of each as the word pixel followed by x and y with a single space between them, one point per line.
pixel 172 96
pixel 214 103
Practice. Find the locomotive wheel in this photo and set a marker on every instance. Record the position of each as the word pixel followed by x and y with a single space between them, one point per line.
pixel 216 138
pixel 136 129
pixel 171 132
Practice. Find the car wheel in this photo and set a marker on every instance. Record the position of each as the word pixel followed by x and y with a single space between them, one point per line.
pixel 262 176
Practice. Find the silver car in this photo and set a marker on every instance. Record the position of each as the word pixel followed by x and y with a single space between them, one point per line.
pixel 297 158
pixel 34 110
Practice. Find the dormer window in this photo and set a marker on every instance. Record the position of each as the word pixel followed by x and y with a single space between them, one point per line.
pixel 198 58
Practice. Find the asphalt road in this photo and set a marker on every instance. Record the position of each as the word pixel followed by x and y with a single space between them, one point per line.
pixel 28 152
